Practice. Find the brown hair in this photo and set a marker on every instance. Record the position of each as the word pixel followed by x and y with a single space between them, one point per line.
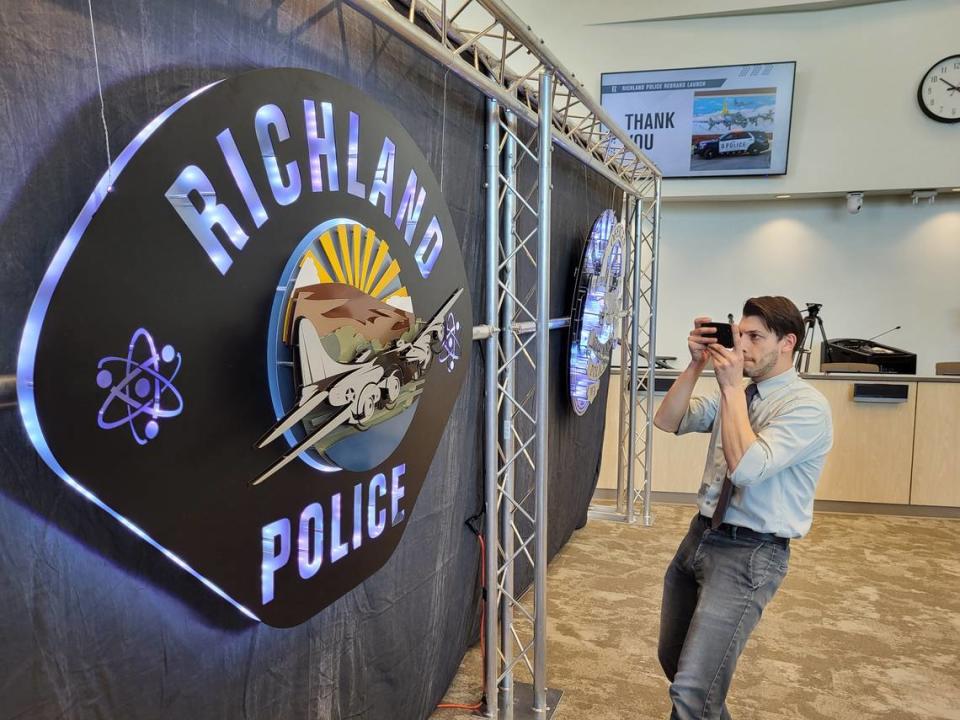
pixel 779 314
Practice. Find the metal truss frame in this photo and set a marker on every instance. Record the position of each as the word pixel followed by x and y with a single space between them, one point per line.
pixel 516 408
pixel 638 342
pixel 476 39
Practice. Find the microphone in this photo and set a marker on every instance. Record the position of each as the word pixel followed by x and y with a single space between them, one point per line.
pixel 884 333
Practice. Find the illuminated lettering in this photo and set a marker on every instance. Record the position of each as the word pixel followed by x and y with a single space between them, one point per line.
pixel 310 541
pixel 213 224
pixel 275 555
pixel 241 177
pixel 271 116
pixel 382 185
pixel 410 208
pixel 201 222
pixel 325 145
pixel 353 150
pixel 376 519
pixel 338 549
pixel 428 250
pixel 357 516
pixel 397 492
pixel 315 546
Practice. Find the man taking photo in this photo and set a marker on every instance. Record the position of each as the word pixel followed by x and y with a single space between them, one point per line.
pixel 769 441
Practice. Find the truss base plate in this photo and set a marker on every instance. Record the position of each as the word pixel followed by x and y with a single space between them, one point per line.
pixel 523 703
pixel 600 512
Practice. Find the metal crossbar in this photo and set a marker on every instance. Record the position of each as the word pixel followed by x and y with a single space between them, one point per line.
pixel 477 38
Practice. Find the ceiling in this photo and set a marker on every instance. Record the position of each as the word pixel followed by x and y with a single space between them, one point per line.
pixel 630 11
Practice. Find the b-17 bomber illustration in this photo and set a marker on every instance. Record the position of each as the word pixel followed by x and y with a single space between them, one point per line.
pixel 357 394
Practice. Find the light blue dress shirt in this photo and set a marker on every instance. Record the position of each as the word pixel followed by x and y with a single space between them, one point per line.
pixel 775 480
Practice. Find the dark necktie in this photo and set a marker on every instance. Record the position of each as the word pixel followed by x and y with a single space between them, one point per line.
pixel 727 488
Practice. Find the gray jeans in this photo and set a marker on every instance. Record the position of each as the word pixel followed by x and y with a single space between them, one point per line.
pixel 714 593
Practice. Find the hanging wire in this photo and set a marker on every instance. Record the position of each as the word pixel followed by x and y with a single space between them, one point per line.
pixel 96 63
pixel 443 125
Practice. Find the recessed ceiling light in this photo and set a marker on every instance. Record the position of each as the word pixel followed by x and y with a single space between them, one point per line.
pixel 955 190
pixel 782 197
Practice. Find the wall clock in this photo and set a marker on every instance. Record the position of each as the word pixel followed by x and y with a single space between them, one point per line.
pixel 939 91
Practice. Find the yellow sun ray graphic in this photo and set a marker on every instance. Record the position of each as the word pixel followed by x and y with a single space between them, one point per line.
pixel 357 257
pixel 321 270
pixel 367 249
pixel 402 292
pixel 326 243
pixel 377 261
pixel 345 252
pixel 393 269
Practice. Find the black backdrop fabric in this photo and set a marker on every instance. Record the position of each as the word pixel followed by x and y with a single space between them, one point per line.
pixel 95 623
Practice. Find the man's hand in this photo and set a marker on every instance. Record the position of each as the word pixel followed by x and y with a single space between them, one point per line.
pixel 674 405
pixel 727 364
pixel 699 340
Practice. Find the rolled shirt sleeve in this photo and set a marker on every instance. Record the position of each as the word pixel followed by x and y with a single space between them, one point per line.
pixel 802 431
pixel 701 414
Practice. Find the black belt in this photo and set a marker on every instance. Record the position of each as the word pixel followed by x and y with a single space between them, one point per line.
pixel 736 531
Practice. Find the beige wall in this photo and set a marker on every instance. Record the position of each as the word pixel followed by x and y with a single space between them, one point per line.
pixel 893 264
pixel 856 127
pixel 856 122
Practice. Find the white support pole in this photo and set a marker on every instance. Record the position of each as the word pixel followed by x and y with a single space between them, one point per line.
pixel 508 311
pixel 631 374
pixel 542 390
pixel 651 357
pixel 491 460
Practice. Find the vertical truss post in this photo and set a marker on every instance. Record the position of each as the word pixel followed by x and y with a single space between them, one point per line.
pixel 638 337
pixel 543 390
pixel 507 410
pixel 630 376
pixel 521 401
pixel 651 352
pixel 491 461
pixel 626 322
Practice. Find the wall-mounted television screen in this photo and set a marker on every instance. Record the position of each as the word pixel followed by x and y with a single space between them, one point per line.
pixel 707 121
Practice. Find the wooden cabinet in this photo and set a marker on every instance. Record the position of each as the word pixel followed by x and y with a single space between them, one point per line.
pixel 608 460
pixel 883 452
pixel 872 455
pixel 677 460
pixel 936 448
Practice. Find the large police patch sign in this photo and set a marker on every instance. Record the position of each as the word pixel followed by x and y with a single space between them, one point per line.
pixel 247 346
pixel 596 302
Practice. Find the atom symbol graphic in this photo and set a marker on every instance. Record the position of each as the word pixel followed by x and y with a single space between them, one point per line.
pixel 141 389
pixel 451 342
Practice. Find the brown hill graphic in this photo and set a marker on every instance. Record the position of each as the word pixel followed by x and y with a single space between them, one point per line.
pixel 331 306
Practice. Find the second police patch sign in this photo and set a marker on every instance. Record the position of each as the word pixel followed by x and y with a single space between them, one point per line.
pixel 247 346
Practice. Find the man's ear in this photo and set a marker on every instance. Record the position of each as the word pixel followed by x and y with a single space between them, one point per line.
pixel 792 340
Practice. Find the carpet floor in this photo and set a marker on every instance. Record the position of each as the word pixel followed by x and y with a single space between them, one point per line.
pixel 866 625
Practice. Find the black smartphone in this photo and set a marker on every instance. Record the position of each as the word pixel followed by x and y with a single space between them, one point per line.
pixel 724 333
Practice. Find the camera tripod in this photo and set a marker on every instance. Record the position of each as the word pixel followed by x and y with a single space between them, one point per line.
pixel 806 347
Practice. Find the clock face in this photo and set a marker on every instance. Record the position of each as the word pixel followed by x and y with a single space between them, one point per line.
pixel 939 92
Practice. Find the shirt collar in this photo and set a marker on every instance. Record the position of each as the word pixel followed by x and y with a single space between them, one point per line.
pixel 770 385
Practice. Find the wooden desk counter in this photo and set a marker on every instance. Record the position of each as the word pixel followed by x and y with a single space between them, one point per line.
pixel 905 452
pixel 936 447
pixel 872 455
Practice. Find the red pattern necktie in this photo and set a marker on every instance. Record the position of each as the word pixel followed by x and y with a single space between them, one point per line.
pixel 726 490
